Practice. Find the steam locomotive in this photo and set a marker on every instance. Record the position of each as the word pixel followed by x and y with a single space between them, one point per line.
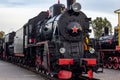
pixel 109 49
pixel 55 42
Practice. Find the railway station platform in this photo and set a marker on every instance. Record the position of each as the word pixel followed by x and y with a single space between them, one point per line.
pixel 10 71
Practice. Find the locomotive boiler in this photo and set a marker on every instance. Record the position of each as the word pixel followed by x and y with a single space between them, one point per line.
pixel 56 42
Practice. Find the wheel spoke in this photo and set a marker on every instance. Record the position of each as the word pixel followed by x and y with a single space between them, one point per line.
pixel 116 65
pixel 110 62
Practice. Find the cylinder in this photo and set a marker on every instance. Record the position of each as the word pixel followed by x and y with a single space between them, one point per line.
pixel 69 3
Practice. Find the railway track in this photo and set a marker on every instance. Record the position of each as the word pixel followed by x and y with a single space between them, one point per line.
pixel 47 76
pixel 42 74
pixel 86 78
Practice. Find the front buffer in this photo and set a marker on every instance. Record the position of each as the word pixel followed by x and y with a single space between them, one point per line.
pixel 90 66
pixel 67 73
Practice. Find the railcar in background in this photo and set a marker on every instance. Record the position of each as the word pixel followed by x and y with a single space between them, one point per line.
pixel 8 45
pixel 109 46
pixel 1 48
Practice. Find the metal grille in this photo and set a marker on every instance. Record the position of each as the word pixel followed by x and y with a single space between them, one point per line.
pixel 74 50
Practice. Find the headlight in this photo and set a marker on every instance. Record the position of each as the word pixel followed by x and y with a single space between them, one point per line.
pixel 62 50
pixel 92 50
pixel 76 7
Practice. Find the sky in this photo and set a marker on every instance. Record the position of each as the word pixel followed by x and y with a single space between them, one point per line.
pixel 15 13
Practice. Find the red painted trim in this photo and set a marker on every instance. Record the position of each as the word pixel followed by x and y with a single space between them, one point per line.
pixel 90 61
pixel 117 47
pixel 48 54
pixel 19 54
pixel 64 74
pixel 38 60
pixel 90 74
pixel 66 61
pixel 110 41
pixel 32 40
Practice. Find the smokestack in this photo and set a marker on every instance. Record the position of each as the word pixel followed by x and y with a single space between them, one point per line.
pixel 106 31
pixel 69 3
pixel 58 1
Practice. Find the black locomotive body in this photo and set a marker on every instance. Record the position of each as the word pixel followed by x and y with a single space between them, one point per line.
pixel 57 42
pixel 1 48
pixel 108 47
pixel 109 41
pixel 8 44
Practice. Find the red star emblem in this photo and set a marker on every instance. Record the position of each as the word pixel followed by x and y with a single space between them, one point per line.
pixel 74 29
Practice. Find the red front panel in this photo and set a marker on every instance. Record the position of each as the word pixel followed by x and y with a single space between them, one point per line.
pixel 117 47
pixel 66 61
pixel 90 61
pixel 90 74
pixel 64 74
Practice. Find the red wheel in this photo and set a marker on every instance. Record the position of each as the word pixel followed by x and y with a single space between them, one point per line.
pixel 119 62
pixel 110 64
pixel 104 65
pixel 115 65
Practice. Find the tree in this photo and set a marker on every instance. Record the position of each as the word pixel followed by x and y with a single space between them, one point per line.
pixel 98 26
pixel 2 33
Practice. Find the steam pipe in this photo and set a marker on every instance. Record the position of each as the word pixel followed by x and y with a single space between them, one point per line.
pixel 69 3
